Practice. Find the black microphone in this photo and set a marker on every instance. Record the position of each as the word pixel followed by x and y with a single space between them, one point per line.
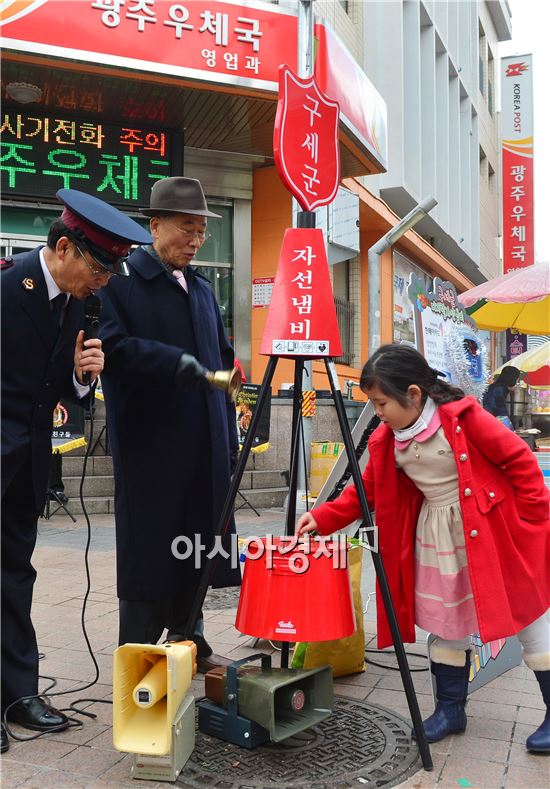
pixel 92 308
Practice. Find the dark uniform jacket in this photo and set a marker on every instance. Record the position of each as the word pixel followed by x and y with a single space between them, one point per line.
pixel 495 399
pixel 170 448
pixel 37 368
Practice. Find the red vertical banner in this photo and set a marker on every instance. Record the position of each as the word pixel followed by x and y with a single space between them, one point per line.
pixel 518 226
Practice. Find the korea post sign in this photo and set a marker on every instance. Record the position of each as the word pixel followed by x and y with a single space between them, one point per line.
pixel 119 164
pixel 517 138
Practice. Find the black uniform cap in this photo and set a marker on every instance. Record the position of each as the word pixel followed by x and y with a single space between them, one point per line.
pixel 108 232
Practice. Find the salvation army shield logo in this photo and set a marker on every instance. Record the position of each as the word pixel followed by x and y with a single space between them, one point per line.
pixel 305 140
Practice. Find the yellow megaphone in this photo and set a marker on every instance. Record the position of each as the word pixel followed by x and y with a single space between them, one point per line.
pixel 153 687
pixel 150 682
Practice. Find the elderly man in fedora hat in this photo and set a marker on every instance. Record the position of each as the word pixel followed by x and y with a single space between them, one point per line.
pixel 44 359
pixel 172 436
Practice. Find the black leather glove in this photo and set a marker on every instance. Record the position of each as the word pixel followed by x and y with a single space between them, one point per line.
pixel 189 372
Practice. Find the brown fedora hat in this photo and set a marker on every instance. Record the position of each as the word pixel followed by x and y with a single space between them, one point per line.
pixel 178 195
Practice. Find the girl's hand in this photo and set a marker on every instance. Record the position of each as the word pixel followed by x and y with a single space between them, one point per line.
pixel 307 523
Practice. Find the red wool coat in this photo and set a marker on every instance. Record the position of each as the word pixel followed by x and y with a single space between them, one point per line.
pixel 506 515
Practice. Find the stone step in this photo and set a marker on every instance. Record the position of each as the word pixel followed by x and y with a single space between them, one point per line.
pixel 98 465
pixel 95 505
pixel 263 498
pixel 267 479
pixel 102 505
pixel 93 486
pixel 252 480
pixel 100 446
pixel 100 468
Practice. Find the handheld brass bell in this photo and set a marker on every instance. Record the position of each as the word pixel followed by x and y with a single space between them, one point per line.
pixel 228 381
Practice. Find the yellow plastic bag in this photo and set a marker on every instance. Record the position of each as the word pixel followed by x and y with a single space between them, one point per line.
pixel 324 455
pixel 345 655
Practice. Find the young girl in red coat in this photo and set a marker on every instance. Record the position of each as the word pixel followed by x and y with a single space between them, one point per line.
pixel 463 524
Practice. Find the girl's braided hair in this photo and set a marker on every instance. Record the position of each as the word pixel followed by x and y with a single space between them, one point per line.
pixel 393 368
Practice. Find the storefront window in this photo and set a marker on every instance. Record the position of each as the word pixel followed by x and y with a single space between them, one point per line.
pixel 24 228
pixel 219 247
pixel 403 319
pixel 215 260
pixel 221 280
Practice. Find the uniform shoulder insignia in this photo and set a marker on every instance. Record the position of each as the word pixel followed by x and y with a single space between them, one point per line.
pixel 6 263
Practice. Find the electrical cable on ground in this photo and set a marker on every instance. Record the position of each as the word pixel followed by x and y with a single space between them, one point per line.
pixel 392 652
pixel 387 652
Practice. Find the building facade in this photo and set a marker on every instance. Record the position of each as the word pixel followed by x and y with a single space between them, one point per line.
pixel 436 66
pixel 125 93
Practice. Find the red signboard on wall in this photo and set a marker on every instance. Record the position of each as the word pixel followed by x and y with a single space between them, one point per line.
pixel 305 140
pixel 518 245
pixel 218 42
pixel 194 39
pixel 362 109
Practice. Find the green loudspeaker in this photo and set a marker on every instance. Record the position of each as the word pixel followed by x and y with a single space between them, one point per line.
pixel 282 701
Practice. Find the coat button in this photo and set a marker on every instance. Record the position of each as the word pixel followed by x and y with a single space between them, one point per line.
pixel 473 533
pixel 467 492
pixel 463 458
pixel 458 429
pixel 492 495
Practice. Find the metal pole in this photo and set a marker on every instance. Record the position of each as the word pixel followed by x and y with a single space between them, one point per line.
pixel 305 38
pixel 305 219
pixel 400 653
pixel 295 464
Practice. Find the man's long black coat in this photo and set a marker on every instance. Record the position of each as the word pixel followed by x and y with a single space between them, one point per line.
pixel 170 448
pixel 37 370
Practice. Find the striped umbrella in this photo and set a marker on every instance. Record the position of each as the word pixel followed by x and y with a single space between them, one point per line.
pixel 519 300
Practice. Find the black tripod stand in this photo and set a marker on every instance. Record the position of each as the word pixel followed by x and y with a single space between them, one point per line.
pixel 291 519
pixel 53 496
pixel 246 503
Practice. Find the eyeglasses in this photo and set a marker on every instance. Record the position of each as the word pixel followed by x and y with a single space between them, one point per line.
pixel 202 236
pixel 97 272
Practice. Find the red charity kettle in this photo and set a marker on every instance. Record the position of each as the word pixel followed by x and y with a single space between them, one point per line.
pixel 296 591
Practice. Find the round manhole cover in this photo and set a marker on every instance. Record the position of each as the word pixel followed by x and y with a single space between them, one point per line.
pixel 359 745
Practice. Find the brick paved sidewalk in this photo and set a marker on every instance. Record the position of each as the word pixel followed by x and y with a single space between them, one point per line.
pixel 490 754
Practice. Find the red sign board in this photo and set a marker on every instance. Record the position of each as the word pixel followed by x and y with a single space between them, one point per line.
pixel 213 41
pixel 302 317
pixel 235 44
pixel 518 242
pixel 362 108
pixel 305 140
